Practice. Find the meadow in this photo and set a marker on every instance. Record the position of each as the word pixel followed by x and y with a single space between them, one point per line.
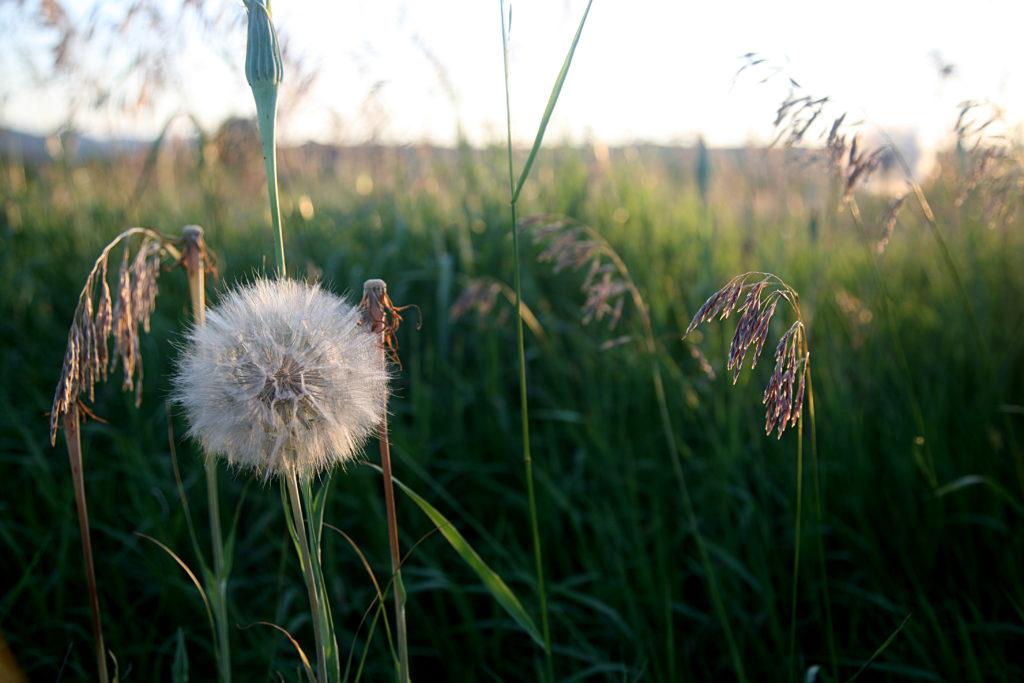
pixel 917 437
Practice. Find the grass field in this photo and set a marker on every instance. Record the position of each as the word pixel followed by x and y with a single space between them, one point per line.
pixel 921 473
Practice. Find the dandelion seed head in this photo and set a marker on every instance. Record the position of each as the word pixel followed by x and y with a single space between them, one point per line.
pixel 282 378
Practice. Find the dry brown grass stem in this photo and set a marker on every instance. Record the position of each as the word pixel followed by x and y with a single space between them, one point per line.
pixel 87 360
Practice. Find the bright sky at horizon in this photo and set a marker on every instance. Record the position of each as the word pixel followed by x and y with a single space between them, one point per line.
pixel 647 70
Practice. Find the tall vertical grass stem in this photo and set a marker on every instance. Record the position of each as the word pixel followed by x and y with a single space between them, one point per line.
pixel 73 437
pixel 819 514
pixel 796 547
pixel 538 559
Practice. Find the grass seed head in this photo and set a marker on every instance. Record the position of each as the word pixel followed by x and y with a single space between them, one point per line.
pixel 783 405
pixel 282 378
pixel 98 316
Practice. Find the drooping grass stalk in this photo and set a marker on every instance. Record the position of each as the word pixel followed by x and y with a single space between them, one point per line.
pixel 783 407
pixel 102 313
pixel 194 260
pixel 73 438
pixel 515 187
pixel 291 482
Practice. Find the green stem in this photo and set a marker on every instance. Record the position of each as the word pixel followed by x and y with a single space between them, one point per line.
pixel 796 547
pixel 307 570
pixel 538 559
pixel 266 117
pixel 818 509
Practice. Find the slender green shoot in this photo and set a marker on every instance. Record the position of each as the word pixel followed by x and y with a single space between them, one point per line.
pixel 819 514
pixel 796 546
pixel 515 187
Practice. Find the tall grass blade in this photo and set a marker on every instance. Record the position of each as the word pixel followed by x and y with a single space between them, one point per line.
pixel 880 650
pixel 514 189
pixel 179 667
pixel 556 90
pixel 494 583
pixel 306 666
pixel 188 572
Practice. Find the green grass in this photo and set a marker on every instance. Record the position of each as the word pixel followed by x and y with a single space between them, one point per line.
pixel 615 536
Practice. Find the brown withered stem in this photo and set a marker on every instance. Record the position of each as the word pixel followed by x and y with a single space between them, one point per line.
pixel 196 260
pixel 72 433
pixel 384 318
pixel 87 360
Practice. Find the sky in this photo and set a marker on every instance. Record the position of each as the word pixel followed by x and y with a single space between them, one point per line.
pixel 645 70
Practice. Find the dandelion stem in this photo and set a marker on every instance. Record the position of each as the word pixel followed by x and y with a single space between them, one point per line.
pixel 266 116
pixel 72 436
pixel 307 569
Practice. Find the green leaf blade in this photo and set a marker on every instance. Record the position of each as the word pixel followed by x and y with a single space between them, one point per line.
pixel 491 580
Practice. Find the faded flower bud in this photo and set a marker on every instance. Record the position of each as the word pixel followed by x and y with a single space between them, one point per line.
pixel 281 379
pixel 262 51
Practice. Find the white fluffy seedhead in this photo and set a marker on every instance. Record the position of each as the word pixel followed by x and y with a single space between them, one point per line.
pixel 282 377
